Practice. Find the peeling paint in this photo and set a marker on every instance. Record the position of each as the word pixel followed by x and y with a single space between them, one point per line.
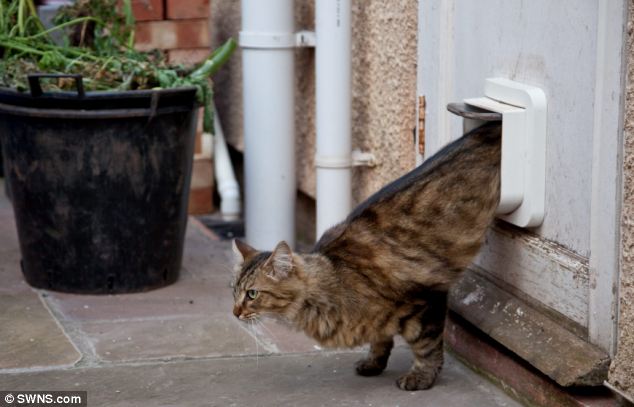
pixel 473 297
pixel 542 269
pixel 541 341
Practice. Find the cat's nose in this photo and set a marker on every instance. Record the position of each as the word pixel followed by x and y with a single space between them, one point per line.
pixel 237 311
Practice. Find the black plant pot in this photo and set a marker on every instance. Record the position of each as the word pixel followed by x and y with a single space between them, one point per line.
pixel 99 184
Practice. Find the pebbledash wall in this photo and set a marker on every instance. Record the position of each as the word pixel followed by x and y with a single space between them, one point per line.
pixel 384 89
pixel 622 368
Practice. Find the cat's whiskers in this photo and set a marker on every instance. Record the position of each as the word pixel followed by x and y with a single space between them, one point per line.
pixel 262 324
pixel 251 322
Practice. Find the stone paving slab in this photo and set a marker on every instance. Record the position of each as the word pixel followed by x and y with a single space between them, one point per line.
pixel 11 279
pixel 10 273
pixel 201 337
pixel 291 380
pixel 204 256
pixel 184 298
pixel 8 234
pixel 29 335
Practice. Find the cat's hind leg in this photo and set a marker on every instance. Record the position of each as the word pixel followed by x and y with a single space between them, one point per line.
pixel 424 334
pixel 376 361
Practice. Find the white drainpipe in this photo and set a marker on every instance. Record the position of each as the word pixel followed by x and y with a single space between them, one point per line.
pixel 228 188
pixel 268 40
pixel 333 90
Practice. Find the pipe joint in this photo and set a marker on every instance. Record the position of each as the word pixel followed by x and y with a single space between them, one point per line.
pixel 267 40
pixel 333 161
pixel 277 40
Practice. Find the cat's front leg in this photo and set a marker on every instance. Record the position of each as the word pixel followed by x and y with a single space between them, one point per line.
pixel 425 337
pixel 376 361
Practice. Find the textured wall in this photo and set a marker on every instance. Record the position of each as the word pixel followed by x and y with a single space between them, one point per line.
pixel 622 369
pixel 384 88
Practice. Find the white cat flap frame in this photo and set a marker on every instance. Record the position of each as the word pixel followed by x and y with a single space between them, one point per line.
pixel 523 166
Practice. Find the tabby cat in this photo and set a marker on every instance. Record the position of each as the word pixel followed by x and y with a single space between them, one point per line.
pixel 386 269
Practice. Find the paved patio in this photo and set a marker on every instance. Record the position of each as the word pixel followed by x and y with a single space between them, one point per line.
pixel 181 346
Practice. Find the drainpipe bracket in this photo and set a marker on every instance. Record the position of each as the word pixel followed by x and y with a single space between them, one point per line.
pixel 358 158
pixel 363 158
pixel 273 40
pixel 332 161
pixel 305 39
pixel 267 40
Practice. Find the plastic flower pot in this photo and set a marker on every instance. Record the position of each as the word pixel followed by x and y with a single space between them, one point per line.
pixel 99 185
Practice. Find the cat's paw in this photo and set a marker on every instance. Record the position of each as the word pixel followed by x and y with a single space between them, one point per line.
pixel 416 380
pixel 369 367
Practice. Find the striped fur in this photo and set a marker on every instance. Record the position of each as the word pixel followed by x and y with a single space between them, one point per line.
pixel 386 269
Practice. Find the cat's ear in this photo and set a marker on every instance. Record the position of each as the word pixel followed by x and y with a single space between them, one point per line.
pixel 281 261
pixel 242 251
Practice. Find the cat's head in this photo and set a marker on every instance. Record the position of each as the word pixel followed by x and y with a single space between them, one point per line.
pixel 266 283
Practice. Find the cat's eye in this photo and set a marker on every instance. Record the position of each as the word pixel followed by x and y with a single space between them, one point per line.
pixel 252 294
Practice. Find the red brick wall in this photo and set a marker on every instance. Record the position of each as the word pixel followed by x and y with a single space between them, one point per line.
pixel 179 9
pixel 148 10
pixel 179 27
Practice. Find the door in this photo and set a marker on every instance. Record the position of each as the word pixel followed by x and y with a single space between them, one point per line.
pixel 571 49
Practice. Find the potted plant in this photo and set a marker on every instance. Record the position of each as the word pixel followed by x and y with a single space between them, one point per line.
pixel 97 142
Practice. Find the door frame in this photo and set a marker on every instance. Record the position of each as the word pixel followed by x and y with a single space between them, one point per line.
pixel 607 171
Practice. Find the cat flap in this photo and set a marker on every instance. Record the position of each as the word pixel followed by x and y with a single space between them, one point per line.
pixel 523 111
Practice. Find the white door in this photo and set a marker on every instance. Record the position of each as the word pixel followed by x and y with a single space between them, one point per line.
pixel 572 50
